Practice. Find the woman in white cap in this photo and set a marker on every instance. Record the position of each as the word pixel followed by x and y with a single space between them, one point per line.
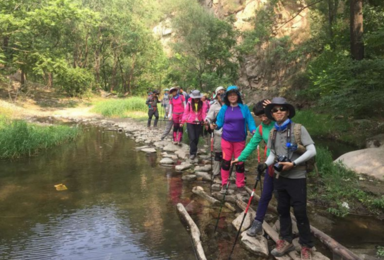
pixel 194 115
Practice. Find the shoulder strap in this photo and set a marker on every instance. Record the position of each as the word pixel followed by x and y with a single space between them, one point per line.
pixel 261 130
pixel 272 137
pixel 297 133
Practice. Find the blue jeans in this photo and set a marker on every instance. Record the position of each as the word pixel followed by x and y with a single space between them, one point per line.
pixel 265 198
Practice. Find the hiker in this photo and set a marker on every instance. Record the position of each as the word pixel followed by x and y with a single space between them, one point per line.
pixel 165 103
pixel 211 119
pixel 262 134
pixel 152 102
pixel 206 128
pixel 234 117
pixel 194 115
pixel 175 113
pixel 289 157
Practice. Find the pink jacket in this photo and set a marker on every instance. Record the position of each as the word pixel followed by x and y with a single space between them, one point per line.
pixel 190 115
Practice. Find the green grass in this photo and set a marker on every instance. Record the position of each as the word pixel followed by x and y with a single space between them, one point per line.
pixel 134 107
pixel 18 138
pixel 336 185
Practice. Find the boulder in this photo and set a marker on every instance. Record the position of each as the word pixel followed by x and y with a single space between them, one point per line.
pixel 368 161
pixel 166 161
pixel 258 245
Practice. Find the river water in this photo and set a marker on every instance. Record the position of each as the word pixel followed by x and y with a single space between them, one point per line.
pixel 119 205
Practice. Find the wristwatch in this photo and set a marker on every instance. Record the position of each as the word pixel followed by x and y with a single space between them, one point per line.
pixel 294 164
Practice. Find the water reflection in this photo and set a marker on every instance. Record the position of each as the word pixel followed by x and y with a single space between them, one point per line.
pixel 116 206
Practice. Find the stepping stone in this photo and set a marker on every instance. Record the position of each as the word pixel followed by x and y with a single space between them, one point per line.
pixel 247 221
pixel 166 161
pixel 171 148
pixel 205 168
pixel 183 166
pixel 257 245
pixel 189 177
pixel 203 175
pixel 148 150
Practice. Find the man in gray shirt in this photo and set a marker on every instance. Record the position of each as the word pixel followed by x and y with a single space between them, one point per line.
pixel 289 158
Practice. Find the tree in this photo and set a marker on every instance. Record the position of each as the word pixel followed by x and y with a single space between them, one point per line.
pixel 356 28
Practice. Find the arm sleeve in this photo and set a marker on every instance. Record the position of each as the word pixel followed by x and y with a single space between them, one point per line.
pixel 271 159
pixel 220 118
pixel 311 151
pixel 251 146
pixel 250 121
pixel 170 111
pixel 210 116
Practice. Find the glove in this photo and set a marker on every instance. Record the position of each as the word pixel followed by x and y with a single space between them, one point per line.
pixel 261 168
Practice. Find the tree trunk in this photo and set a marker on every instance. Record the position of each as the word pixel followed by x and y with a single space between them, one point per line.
pixel 356 26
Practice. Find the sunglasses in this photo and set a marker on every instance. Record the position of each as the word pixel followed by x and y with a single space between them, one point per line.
pixel 282 109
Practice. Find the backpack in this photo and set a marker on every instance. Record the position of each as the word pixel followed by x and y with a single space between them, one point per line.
pixel 310 165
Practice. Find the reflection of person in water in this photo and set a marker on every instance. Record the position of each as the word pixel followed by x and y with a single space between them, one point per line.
pixel 175 187
pixel 151 158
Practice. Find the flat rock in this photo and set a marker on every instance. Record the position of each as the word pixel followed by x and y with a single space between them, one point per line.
pixel 257 245
pixel 142 147
pixel 204 175
pixel 247 221
pixel 182 154
pixel 149 150
pixel 171 148
pixel 216 186
pixel 368 161
pixel 166 161
pixel 183 166
pixel 189 177
pixel 205 157
pixel 205 168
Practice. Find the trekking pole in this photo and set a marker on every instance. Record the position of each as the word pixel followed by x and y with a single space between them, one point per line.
pixel 226 190
pixel 258 178
pixel 212 177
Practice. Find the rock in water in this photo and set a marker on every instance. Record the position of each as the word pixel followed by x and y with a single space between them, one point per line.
pixel 166 161
pixel 205 168
pixel 247 221
pixel 189 177
pixel 183 166
pixel 149 150
pixel 257 245
pixel 171 148
pixel 203 175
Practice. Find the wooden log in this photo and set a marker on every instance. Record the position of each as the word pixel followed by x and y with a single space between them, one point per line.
pixel 200 191
pixel 194 231
pixel 332 244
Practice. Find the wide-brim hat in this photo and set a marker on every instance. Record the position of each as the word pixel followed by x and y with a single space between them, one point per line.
pixel 234 89
pixel 173 88
pixel 279 101
pixel 195 94
pixel 217 90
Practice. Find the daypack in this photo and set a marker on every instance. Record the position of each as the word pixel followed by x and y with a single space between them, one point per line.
pixel 310 165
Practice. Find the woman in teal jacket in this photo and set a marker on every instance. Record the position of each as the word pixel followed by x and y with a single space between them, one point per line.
pixel 262 133
pixel 234 117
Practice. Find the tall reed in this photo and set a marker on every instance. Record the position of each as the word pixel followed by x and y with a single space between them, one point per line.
pixel 18 137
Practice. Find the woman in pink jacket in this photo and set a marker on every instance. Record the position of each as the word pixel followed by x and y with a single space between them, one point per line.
pixel 176 110
pixel 194 115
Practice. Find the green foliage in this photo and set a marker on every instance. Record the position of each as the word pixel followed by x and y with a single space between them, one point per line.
pixel 75 81
pixel 19 138
pixel 203 52
pixel 120 107
pixel 380 251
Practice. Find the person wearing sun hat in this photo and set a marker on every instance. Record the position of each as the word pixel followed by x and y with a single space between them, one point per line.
pixel 235 119
pixel 211 120
pixel 289 158
pixel 194 115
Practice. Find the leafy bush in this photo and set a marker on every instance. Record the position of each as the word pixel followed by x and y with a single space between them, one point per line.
pixel 18 137
pixel 75 81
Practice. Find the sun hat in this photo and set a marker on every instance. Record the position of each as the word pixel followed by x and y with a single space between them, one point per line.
pixel 217 90
pixel 234 89
pixel 195 94
pixel 173 88
pixel 276 101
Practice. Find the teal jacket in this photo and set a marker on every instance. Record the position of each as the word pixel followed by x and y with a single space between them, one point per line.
pixel 255 140
pixel 246 114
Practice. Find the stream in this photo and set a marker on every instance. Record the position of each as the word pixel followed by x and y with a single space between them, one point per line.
pixel 120 204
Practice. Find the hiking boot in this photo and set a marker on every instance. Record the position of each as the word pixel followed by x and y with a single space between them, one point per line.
pixel 255 229
pixel 242 191
pixel 192 157
pixel 282 247
pixel 306 253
